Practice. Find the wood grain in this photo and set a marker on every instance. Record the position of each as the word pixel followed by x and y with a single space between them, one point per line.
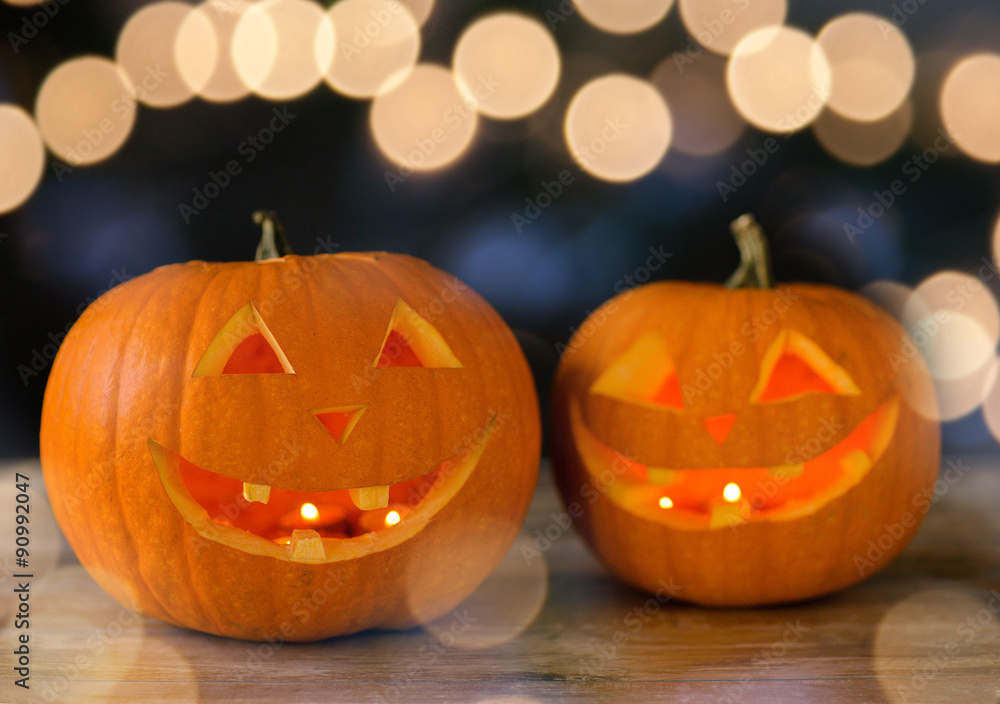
pixel 553 627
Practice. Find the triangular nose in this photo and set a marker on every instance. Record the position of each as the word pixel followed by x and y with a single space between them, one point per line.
pixel 719 426
pixel 340 421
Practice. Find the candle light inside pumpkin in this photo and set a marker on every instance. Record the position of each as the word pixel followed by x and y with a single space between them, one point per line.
pixel 728 512
pixel 665 502
pixel 329 520
pixel 731 493
pixel 379 519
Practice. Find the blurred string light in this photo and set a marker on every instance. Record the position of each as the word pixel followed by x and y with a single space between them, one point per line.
pixel 970 104
pixel 623 16
pixel 145 51
pixel 22 157
pixel 23 3
pixel 85 109
pixel 618 127
pixel 377 44
pixel 203 52
pixel 719 25
pixel 778 79
pixel 864 143
pixel 508 64
pixel 282 48
pixel 704 120
pixel 871 64
pixel 425 123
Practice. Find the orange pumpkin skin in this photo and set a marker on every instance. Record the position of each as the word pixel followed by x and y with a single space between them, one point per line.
pixel 614 458
pixel 125 412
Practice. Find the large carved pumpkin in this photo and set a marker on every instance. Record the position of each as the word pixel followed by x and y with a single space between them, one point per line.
pixel 291 448
pixel 745 445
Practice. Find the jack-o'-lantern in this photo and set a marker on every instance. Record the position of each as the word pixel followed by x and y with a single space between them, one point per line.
pixel 291 448
pixel 744 444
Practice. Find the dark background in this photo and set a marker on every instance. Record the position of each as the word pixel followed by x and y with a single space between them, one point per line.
pixel 325 178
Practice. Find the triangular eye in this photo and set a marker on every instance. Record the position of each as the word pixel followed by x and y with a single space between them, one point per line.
pixel 795 366
pixel 243 346
pixel 642 374
pixel 411 341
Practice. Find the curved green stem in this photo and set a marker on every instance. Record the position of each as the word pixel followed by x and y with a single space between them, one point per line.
pixel 754 270
pixel 273 243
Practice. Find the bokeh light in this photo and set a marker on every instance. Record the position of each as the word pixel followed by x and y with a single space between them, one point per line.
pixel 377 44
pixel 871 63
pixel 778 79
pixel 23 3
pixel 970 104
pixel 203 52
pixel 283 48
pixel 891 296
pixel 704 120
pixel 719 25
pixel 425 122
pixel 958 293
pixel 508 64
pixel 863 143
pixel 22 157
pixel 145 51
pixel 618 127
pixel 420 10
pixel 623 16
pixel 85 110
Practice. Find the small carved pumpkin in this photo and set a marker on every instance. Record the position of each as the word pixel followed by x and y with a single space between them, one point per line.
pixel 752 444
pixel 291 448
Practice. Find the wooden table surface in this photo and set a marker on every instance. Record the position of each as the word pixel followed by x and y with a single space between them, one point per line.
pixel 557 629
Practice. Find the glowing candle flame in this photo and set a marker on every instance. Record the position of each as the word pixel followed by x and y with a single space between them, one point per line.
pixel 665 502
pixel 731 493
pixel 309 512
pixel 392 518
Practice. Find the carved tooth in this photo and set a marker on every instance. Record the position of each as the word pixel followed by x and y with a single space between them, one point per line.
pixel 786 471
pixel 728 515
pixel 661 476
pixel 256 492
pixel 307 546
pixel 370 497
pixel 856 463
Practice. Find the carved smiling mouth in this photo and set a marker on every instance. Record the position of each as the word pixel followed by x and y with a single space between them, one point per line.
pixel 313 526
pixel 730 496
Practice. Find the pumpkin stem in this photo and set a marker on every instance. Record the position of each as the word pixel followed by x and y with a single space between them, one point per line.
pixel 273 243
pixel 754 270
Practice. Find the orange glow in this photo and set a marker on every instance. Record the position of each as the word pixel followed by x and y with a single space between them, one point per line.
pixel 23 159
pixel 85 109
pixel 778 79
pixel 872 66
pixel 970 103
pixel 309 512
